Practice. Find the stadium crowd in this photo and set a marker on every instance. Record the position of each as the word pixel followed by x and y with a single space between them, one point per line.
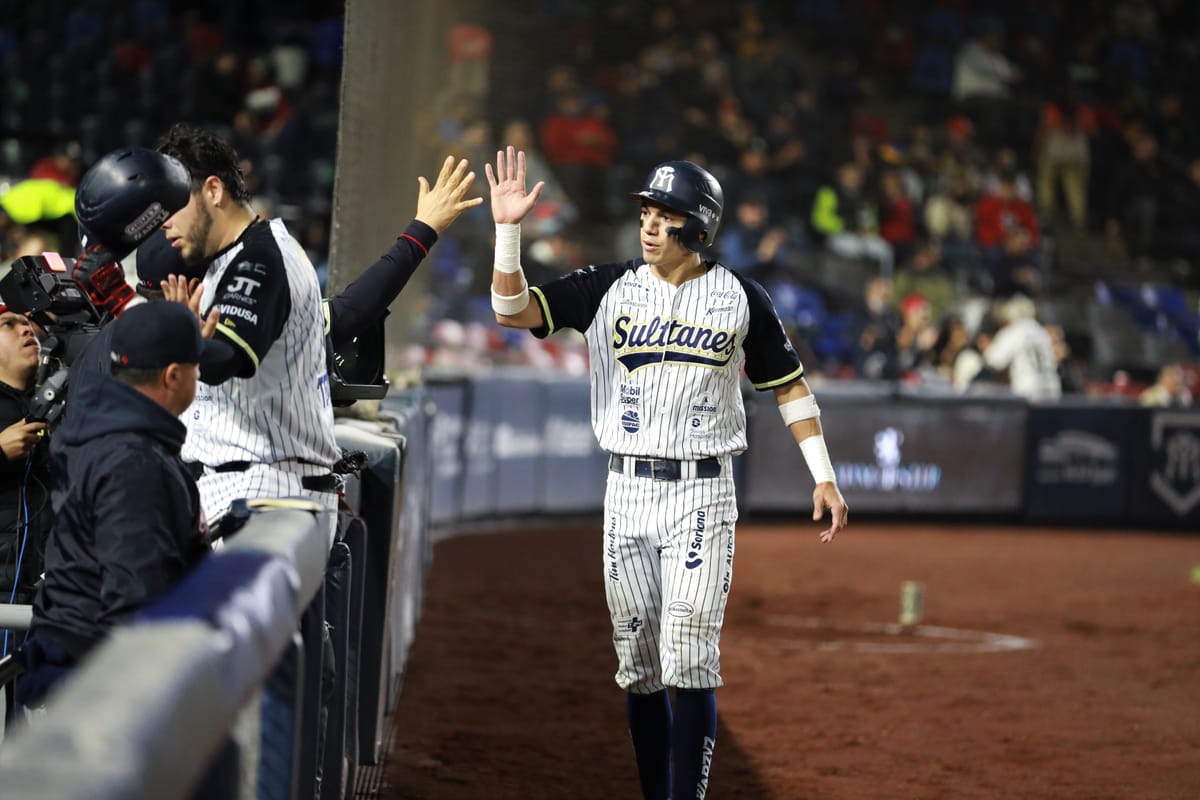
pixel 894 172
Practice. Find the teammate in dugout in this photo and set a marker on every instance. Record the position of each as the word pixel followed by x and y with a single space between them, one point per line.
pixel 262 424
pixel 171 265
pixel 668 335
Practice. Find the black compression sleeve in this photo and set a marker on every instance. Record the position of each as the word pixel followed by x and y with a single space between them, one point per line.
pixel 367 298
pixel 238 364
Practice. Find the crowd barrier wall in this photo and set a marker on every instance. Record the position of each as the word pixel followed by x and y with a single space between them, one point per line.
pixel 513 443
pixel 310 644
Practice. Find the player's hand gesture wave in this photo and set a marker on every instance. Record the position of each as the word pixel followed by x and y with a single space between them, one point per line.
pixel 827 496
pixel 178 289
pixel 441 204
pixel 510 202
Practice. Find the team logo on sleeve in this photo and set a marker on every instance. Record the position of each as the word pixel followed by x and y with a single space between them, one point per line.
pixel 670 341
pixel 243 285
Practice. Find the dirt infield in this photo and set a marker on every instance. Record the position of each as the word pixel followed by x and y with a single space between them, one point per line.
pixel 509 692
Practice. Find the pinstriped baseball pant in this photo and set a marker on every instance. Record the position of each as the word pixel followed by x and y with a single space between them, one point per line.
pixel 219 489
pixel 668 566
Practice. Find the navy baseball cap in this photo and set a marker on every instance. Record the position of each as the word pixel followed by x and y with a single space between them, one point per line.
pixel 153 335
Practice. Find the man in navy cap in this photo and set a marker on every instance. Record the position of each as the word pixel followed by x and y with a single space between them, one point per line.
pixel 128 522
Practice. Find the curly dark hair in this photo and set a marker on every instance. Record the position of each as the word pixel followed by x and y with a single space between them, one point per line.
pixel 204 153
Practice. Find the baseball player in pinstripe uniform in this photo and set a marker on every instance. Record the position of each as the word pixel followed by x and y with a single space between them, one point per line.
pixel 262 422
pixel 668 337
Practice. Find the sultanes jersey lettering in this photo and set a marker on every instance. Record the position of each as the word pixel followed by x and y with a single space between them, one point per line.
pixel 270 305
pixel 666 360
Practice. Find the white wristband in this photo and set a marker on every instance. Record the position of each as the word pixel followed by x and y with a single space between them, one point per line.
pixel 510 305
pixel 816 455
pixel 799 409
pixel 508 246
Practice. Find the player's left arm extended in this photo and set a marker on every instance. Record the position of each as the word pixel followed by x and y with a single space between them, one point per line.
pixel 801 414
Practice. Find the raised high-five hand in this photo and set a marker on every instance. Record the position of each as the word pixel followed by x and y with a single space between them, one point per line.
pixel 441 204
pixel 510 201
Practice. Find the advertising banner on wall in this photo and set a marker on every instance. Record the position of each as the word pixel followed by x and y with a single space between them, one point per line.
pixel 1165 490
pixel 446 442
pixel 518 452
pixel 575 466
pixel 1080 460
pixel 959 455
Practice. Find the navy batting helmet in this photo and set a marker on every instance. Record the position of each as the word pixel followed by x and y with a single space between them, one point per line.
pixel 687 187
pixel 126 195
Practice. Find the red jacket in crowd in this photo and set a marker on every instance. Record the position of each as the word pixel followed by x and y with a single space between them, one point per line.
pixel 996 217
pixel 584 140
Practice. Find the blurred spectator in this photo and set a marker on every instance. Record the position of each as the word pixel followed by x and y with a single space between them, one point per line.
pixel 37 205
pixel 554 210
pixel 1070 373
pixel 898 223
pixel 469 50
pixel 847 220
pixel 1135 19
pixel 981 70
pixel 953 339
pixel 224 93
pixel 924 274
pixel 969 367
pixel 1137 197
pixel 962 160
pixel 1175 127
pixel 1168 390
pixel 873 326
pixel 1004 161
pixel 1008 236
pixel 553 255
pixel 751 245
pixel 917 336
pixel 983 79
pixel 1063 153
pixel 266 100
pixel 59 166
pixel 579 144
pixel 949 216
pixel 1023 349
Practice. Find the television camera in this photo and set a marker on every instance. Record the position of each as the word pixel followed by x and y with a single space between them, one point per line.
pixel 121 200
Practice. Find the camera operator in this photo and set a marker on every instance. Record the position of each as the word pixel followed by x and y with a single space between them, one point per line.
pixel 24 472
pixel 128 522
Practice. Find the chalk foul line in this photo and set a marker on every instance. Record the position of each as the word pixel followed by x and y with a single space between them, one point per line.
pixel 916 638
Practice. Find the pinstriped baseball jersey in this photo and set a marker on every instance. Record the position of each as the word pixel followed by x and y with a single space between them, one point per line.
pixel 666 360
pixel 270 304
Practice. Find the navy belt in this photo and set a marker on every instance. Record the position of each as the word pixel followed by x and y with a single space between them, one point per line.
pixel 664 469
pixel 330 482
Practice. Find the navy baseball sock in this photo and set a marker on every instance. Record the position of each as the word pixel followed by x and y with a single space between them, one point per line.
pixel 650 729
pixel 693 739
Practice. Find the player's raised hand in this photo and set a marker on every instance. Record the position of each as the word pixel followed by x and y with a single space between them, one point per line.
pixel 441 204
pixel 178 289
pixel 208 326
pixel 510 202
pixel 827 496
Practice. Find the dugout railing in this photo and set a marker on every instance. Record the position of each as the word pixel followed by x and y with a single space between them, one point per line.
pixel 271 671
